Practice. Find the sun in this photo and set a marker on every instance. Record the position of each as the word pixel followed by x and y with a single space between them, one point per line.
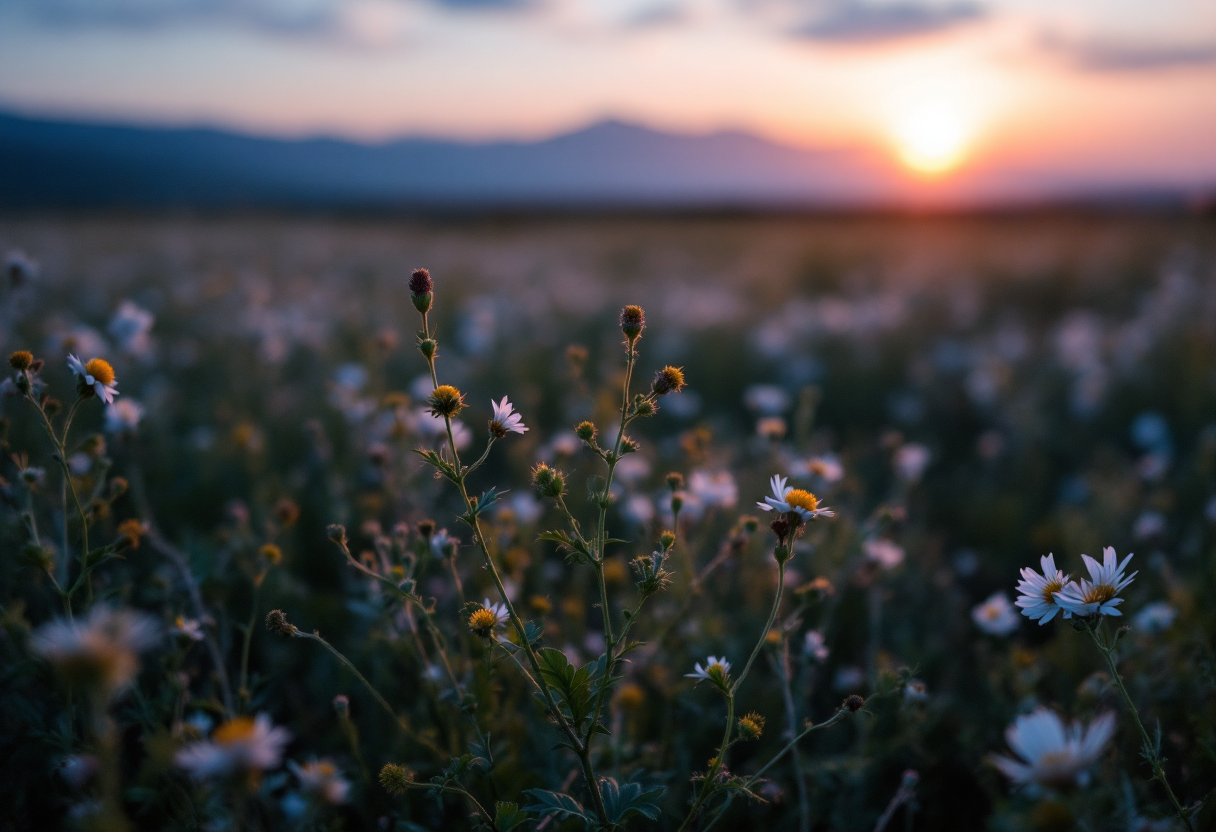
pixel 932 140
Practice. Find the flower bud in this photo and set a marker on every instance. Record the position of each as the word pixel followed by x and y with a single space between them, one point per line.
pixel 428 347
pixel 677 502
pixel 396 779
pixel 633 321
pixel 628 445
pixel 585 431
pixel 667 540
pixel 549 481
pixel 749 523
pixel 422 289
pixel 644 407
pixel 336 533
pixel 675 480
pixel 668 380
pixel 854 703
pixel 426 528
pixel 21 360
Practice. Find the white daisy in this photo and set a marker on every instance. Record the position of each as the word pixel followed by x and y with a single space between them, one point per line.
pixel 101 650
pixel 239 745
pixel 98 374
pixel 1100 596
pixel 794 501
pixel 1038 598
pixel 499 610
pixel 885 553
pixel 123 416
pixel 1050 753
pixel 815 646
pixel 715 670
pixel 323 779
pixel 1155 617
pixel 996 616
pixel 826 467
pixel 506 420
pixel 189 628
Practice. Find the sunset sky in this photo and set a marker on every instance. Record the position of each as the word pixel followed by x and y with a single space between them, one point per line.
pixel 1118 89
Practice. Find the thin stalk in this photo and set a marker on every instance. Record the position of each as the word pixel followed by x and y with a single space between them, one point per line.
pixel 1150 749
pixel 242 691
pixel 456 790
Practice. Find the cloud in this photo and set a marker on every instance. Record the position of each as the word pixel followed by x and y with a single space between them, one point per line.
pixel 848 21
pixel 1123 56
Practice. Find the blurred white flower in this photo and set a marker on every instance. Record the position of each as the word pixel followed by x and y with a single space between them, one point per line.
pixel 885 553
pixel 130 327
pixel 772 428
pixel 1050 754
pixel 1038 598
pixel 916 691
pixel 443 544
pixel 639 507
pixel 848 678
pixel 911 460
pixel 242 744
pixel 322 779
pixel 123 416
pixel 826 468
pixel 1155 617
pixel 1148 524
pixel 996 616
pixel 100 651
pixel 814 646
pixel 717 490
pixel 766 399
pixel 632 468
pixel 1099 596
pixel 189 628
pixel 505 419
pixel 526 508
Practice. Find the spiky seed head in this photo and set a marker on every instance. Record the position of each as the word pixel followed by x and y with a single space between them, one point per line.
pixel 21 360
pixel 633 321
pixel 668 380
pixel 549 481
pixel 854 703
pixel 585 431
pixel 629 445
pixel 428 347
pixel 396 779
pixel 446 401
pixel 645 407
pixel 751 726
pixel 277 623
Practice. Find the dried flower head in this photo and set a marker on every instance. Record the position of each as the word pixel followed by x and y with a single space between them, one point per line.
pixel 633 321
pixel 336 533
pixel 21 360
pixel 586 431
pixel 853 703
pixel 446 401
pixel 751 726
pixel 548 481
pixel 668 380
pixel 277 623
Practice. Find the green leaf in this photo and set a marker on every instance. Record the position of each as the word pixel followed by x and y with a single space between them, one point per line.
pixel 561 806
pixel 622 802
pixel 508 816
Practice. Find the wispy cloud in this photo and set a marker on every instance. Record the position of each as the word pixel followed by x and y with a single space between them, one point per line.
pixel 848 21
pixel 1126 56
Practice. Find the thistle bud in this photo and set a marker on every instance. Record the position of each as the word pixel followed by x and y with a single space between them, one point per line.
pixel 21 360
pixel 422 289
pixel 549 481
pixel 336 533
pixel 675 480
pixel 628 445
pixel 644 407
pixel 667 540
pixel 853 703
pixel 396 779
pixel 277 623
pixel 633 321
pixel 428 347
pixel 585 431
pixel 668 380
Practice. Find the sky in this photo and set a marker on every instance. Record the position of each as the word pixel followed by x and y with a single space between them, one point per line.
pixel 1121 89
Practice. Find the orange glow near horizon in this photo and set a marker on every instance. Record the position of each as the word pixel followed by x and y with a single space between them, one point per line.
pixel 932 140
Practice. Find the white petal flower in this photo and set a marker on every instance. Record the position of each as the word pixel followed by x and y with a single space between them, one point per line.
pixel 715 670
pixel 996 616
pixel 499 610
pixel 123 416
pixel 101 650
pixel 239 745
pixel 323 779
pixel 506 420
pixel 1038 599
pixel 1048 752
pixel 796 501
pixel 885 553
pixel 815 646
pixel 1099 596
pixel 97 374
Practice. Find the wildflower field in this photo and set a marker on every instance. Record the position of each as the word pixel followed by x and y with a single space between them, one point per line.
pixel 602 523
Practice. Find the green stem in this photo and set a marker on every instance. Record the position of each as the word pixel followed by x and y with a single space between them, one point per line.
pixel 712 774
pixel 1150 750
pixel 242 692
pixel 772 616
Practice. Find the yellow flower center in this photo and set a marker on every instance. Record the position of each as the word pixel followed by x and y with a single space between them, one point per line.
pixel 482 622
pixel 1099 594
pixel 101 370
pixel 1050 589
pixel 802 499
pixel 234 731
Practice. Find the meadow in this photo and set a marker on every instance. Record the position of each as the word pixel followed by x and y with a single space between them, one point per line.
pixel 306 572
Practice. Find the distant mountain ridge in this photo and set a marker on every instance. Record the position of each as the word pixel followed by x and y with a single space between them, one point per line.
pixel 62 164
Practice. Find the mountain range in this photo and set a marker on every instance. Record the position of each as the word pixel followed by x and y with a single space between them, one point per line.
pixel 64 164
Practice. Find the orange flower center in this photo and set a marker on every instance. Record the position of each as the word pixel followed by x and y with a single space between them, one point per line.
pixel 482 621
pixel 1099 594
pixel 802 499
pixel 234 731
pixel 101 370
pixel 1052 587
